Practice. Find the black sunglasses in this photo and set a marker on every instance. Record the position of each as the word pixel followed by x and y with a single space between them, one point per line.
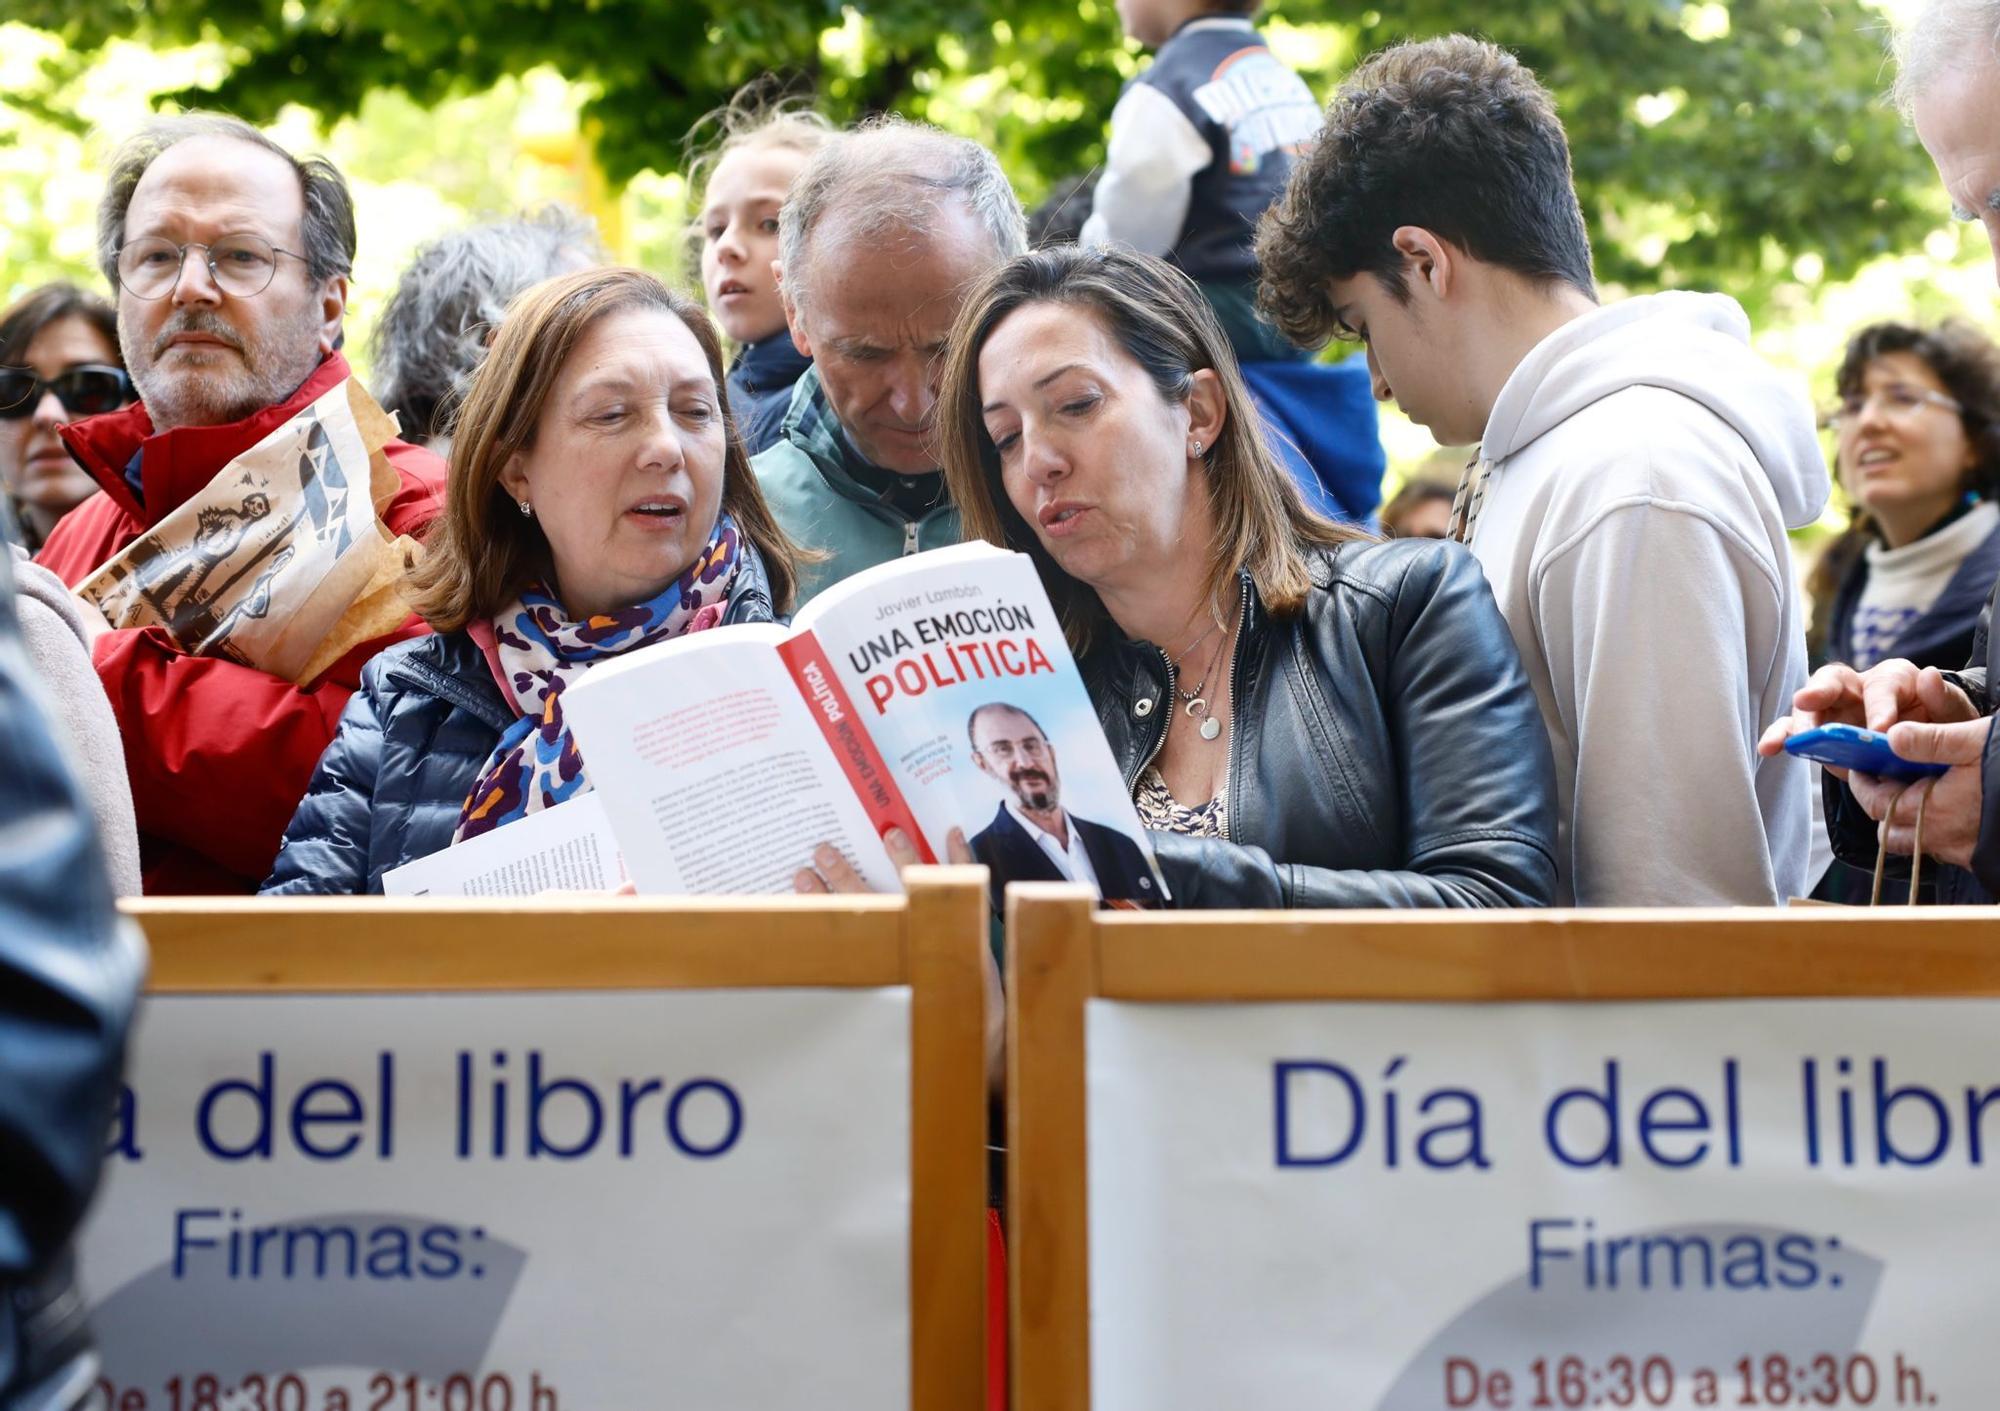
pixel 83 391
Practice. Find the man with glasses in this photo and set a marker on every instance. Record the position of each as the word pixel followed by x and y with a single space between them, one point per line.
pixel 255 505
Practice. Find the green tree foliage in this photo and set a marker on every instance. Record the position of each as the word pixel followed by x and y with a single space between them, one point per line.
pixel 1715 144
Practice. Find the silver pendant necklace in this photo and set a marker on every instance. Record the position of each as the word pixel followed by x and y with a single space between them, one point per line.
pixel 1193 701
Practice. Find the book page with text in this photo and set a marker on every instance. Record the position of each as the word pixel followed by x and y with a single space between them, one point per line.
pixel 568 848
pixel 712 771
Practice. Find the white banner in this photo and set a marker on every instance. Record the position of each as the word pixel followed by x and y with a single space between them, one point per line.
pixel 509 1202
pixel 1402 1207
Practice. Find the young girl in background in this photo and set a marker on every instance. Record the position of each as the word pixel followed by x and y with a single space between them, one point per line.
pixel 743 178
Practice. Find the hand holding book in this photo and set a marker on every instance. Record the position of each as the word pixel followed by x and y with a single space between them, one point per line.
pixel 831 872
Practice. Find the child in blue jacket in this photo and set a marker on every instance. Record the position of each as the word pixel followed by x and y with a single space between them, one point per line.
pixel 1201 143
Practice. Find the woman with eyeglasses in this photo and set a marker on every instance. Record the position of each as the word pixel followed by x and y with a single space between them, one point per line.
pixel 1917 450
pixel 58 362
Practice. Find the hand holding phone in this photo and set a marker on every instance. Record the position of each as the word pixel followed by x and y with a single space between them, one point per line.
pixel 1851 747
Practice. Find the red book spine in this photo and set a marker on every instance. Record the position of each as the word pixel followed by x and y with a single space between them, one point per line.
pixel 867 774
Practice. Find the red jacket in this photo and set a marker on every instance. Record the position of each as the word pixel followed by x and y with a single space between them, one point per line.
pixel 219 754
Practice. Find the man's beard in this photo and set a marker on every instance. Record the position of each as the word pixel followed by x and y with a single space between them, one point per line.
pixel 262 373
pixel 1035 789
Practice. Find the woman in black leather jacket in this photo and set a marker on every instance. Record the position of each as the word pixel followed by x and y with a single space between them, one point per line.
pixel 1306 717
pixel 599 501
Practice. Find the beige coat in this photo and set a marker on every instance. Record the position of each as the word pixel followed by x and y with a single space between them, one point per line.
pixel 52 627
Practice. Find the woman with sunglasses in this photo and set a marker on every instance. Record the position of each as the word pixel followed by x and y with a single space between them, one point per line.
pixel 58 362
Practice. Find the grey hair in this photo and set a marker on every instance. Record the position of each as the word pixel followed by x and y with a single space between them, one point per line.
pixel 890 175
pixel 327 231
pixel 1945 35
pixel 434 331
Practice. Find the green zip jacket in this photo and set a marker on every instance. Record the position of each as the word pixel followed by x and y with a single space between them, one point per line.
pixel 806 477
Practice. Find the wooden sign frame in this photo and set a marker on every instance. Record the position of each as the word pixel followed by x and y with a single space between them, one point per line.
pixel 1063 952
pixel 929 940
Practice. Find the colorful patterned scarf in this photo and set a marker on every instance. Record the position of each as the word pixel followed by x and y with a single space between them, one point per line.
pixel 536 765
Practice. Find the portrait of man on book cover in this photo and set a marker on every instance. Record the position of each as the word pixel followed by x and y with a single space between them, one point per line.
pixel 1033 836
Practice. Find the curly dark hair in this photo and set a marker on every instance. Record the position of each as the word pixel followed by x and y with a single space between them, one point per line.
pixel 434 330
pixel 1964 359
pixel 1453 135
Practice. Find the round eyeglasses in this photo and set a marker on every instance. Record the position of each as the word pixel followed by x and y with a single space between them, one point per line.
pixel 83 391
pixel 1899 399
pixel 240 265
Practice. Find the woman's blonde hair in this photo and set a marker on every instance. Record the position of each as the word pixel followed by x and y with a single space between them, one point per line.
pixel 1163 322
pixel 483 551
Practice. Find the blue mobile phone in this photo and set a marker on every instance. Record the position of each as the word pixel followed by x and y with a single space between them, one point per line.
pixel 1851 747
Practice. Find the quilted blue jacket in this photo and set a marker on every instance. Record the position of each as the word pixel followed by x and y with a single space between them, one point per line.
pixel 389 788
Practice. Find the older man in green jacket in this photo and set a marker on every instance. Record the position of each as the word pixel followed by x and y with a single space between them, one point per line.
pixel 883 235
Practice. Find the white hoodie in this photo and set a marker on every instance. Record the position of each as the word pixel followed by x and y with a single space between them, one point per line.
pixel 1645 466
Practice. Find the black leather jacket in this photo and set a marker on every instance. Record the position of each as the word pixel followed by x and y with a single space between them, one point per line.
pixel 1387 749
pixel 69 974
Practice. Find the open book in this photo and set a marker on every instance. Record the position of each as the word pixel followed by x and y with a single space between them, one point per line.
pixel 927 694
pixel 932 692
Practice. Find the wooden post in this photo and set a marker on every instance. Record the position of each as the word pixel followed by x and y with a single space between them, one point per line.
pixel 944 928
pixel 1049 977
pixel 1429 956
pixel 318 945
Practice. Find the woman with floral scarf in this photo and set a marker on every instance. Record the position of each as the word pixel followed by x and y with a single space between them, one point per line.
pixel 599 501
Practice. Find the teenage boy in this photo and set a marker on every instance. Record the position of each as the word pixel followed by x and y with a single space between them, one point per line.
pixel 1638 465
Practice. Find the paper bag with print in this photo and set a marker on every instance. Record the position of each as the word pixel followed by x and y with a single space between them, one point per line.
pixel 281 562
